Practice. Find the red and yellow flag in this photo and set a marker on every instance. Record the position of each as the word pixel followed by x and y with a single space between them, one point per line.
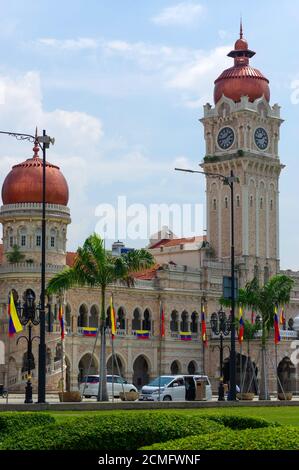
pixel 241 326
pixel 61 321
pixel 203 327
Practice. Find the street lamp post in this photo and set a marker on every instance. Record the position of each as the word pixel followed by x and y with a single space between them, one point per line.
pixel 220 325
pixel 229 181
pixel 27 314
pixel 44 142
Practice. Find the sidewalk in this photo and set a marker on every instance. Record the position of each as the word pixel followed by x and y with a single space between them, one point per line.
pixel 16 403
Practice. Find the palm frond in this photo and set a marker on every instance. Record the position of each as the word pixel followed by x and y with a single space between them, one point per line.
pixel 63 281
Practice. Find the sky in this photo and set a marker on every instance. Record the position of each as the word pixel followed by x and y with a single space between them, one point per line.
pixel 120 84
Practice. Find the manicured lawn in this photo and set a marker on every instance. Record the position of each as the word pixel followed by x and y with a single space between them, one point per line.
pixel 283 415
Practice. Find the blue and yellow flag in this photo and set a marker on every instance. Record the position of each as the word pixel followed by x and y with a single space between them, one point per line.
pixel 14 324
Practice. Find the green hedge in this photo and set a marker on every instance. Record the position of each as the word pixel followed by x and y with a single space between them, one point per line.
pixel 11 422
pixel 272 438
pixel 111 432
pixel 237 422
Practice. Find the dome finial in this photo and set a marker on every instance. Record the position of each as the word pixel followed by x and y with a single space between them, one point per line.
pixel 241 28
pixel 36 145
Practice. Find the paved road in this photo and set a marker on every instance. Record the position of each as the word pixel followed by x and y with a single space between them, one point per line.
pixel 53 398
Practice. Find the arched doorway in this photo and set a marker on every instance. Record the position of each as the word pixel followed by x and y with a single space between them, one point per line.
pixel 116 366
pixel 192 368
pixel 286 376
pixel 141 371
pixel 87 365
pixel 175 368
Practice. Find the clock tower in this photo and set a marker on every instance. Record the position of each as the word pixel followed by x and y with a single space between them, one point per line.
pixel 242 133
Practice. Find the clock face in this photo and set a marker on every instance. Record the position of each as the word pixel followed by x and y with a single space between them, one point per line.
pixel 261 138
pixel 225 138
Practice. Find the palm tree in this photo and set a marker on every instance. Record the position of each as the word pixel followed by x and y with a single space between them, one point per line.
pixel 95 267
pixel 276 292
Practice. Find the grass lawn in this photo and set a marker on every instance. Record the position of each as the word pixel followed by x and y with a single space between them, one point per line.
pixel 283 415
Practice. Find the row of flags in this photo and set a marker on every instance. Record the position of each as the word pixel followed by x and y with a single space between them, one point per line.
pixel 15 325
pixel 277 321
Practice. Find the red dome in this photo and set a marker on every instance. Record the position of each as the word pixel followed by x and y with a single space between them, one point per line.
pixel 241 79
pixel 24 183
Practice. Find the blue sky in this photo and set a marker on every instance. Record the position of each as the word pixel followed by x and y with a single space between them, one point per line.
pixel 121 84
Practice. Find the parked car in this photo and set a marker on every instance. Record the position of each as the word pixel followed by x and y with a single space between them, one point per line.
pixel 89 386
pixel 177 388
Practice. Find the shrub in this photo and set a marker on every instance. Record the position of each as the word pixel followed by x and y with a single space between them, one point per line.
pixel 272 438
pixel 12 422
pixel 111 432
pixel 238 423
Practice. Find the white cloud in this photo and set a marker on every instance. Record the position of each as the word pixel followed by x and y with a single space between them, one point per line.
pixel 191 72
pixel 69 44
pixel 182 14
pixel 79 150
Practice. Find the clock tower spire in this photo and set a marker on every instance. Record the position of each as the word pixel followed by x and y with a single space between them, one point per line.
pixel 241 133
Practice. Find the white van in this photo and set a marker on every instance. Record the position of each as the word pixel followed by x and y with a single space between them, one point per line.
pixel 177 388
pixel 89 386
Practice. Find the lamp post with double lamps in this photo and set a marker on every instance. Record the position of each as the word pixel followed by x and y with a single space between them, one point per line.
pixel 220 325
pixel 228 181
pixel 44 142
pixel 27 313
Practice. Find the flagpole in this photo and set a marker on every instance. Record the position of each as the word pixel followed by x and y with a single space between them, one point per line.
pixel 160 350
pixel 202 339
pixel 241 369
pixel 8 370
pixel 276 363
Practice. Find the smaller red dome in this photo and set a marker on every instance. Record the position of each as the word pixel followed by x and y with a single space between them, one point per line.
pixel 241 79
pixel 241 45
pixel 24 183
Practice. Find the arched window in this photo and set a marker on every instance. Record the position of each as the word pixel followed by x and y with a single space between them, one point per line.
pixel 121 319
pixel 251 201
pixel 261 203
pixel 226 202
pixel 10 239
pixel 214 204
pixel 266 274
pixel 38 237
pixel 68 315
pixel 83 316
pixel 136 322
pixel 184 321
pixel 238 201
pixel 174 324
pixel 94 317
pixel 53 235
pixel 146 323
pixel 256 271
pixel 194 322
pixel 271 204
pixel 23 237
pixel 108 318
